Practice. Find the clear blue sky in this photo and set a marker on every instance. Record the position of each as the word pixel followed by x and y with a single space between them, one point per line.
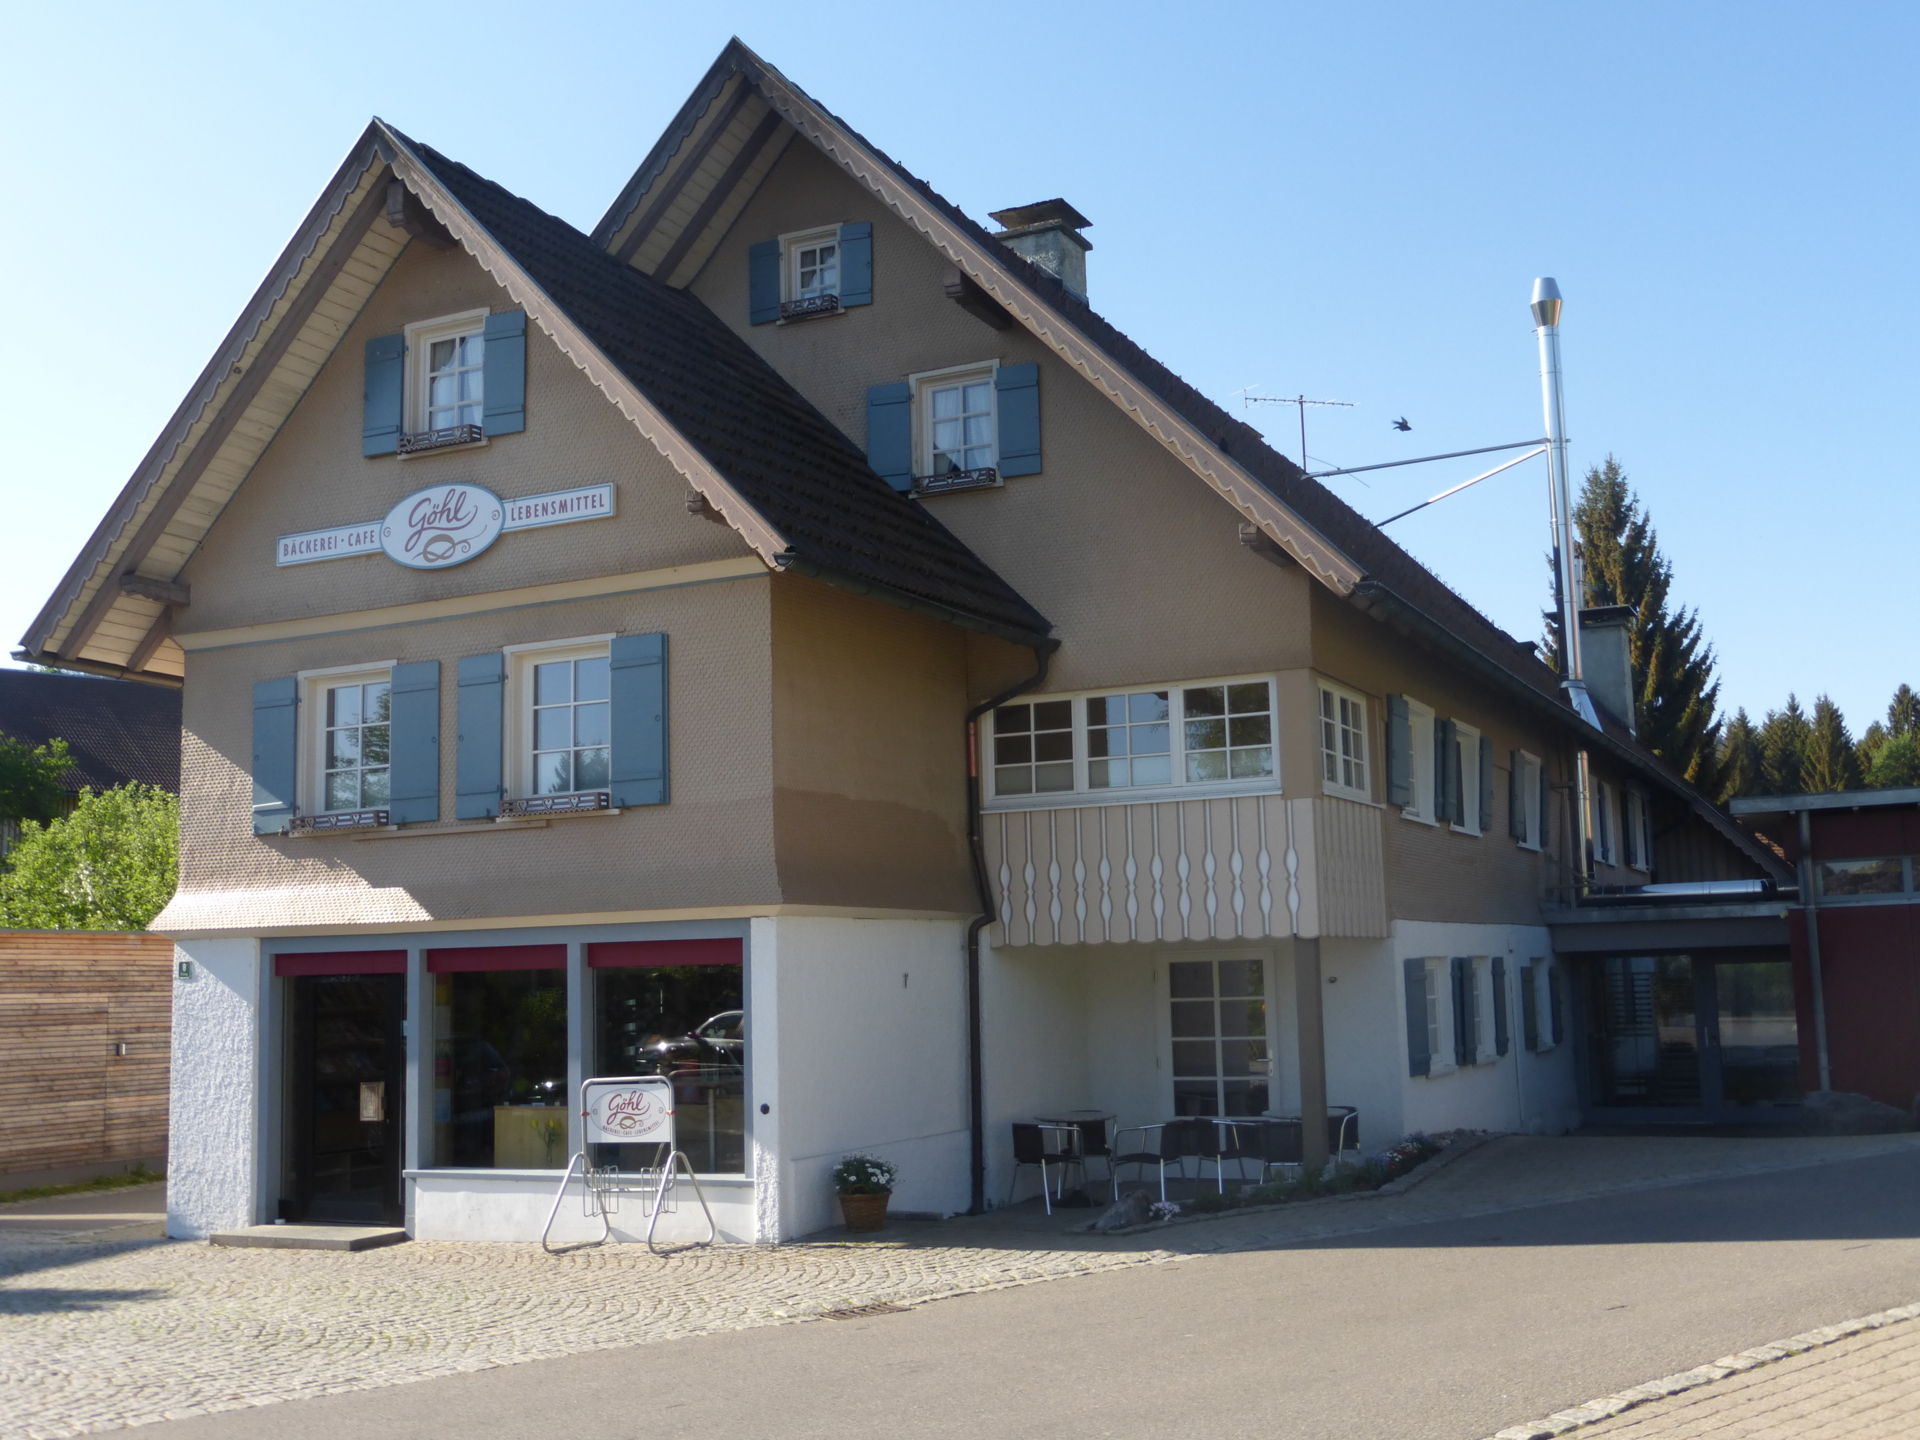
pixel 1346 200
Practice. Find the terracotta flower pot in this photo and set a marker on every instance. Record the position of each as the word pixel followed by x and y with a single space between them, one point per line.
pixel 865 1212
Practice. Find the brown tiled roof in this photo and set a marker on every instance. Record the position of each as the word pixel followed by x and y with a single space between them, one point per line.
pixel 115 730
pixel 788 460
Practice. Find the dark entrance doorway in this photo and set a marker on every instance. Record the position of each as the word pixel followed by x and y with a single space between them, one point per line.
pixel 1692 1037
pixel 348 1079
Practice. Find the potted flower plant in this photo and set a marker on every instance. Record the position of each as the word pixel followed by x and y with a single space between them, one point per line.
pixel 864 1184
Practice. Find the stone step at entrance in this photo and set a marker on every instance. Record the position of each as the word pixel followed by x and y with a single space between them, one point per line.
pixel 311 1237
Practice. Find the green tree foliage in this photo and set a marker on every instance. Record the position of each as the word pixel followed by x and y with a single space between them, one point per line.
pixel 110 865
pixel 1674 686
pixel 1739 758
pixel 31 778
pixel 1783 749
pixel 1829 762
pixel 1903 720
pixel 1897 764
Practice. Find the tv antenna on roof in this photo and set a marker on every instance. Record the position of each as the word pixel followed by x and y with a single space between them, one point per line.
pixel 1302 402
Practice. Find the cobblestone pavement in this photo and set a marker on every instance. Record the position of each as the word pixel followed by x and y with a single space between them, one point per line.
pixel 1863 1386
pixel 97 1334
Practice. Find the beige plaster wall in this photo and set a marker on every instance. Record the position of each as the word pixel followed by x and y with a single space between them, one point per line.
pixel 868 757
pixel 1135 561
pixel 314 477
pixel 713 845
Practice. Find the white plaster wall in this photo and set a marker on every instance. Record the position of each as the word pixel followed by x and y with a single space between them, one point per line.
pixel 1528 1093
pixel 1365 1037
pixel 866 1061
pixel 1034 1047
pixel 213 1100
pixel 514 1206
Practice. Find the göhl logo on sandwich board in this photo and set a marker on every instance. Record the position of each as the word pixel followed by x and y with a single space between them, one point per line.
pixel 432 529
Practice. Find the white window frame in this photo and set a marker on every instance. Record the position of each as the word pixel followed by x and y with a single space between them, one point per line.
pixel 924 383
pixel 1338 693
pixel 1635 829
pixel 1163 981
pixel 1178 788
pixel 1486 1042
pixel 1420 723
pixel 311 746
pixel 1466 741
pixel 1606 845
pixel 1440 1026
pixel 1532 776
pixel 1542 1005
pixel 519 701
pixel 790 247
pixel 420 336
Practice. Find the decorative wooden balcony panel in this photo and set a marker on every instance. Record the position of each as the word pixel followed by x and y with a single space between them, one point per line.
pixel 1235 868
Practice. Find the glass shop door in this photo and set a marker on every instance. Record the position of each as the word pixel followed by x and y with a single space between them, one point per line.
pixel 348 1077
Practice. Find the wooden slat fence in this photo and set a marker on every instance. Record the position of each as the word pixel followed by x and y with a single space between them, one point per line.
pixel 67 1101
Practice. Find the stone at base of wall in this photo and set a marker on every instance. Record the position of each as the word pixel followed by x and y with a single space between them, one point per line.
pixel 79 1174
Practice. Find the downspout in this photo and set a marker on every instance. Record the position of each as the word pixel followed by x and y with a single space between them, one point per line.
pixel 1810 902
pixel 976 845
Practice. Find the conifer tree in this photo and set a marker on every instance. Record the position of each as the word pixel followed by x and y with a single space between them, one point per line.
pixel 1739 758
pixel 1674 685
pixel 1828 762
pixel 1783 748
pixel 1902 728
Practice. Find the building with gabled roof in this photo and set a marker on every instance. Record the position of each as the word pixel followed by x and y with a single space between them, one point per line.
pixel 791 586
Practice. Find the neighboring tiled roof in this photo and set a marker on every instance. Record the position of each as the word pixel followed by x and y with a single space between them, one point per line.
pixel 115 730
pixel 787 459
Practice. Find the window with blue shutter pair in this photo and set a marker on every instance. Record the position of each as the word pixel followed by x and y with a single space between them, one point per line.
pixel 891 426
pixel 638 724
pixel 839 263
pixel 504 387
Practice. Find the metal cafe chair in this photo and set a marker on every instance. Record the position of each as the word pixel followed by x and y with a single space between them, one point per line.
pixel 1161 1145
pixel 1096 1138
pixel 1236 1139
pixel 1038 1144
pixel 1343 1130
pixel 1278 1144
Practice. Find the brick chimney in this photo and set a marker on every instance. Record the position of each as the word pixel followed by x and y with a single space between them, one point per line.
pixel 1048 234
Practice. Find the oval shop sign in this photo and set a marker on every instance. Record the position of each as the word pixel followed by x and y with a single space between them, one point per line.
pixel 432 529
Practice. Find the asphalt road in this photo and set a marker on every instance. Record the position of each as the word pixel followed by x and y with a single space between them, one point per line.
pixel 1442 1331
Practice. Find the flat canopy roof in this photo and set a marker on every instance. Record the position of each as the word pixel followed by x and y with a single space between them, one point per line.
pixel 1832 800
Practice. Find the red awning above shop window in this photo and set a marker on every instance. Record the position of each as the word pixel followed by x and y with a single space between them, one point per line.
pixel 619 954
pixel 497 957
pixel 341 962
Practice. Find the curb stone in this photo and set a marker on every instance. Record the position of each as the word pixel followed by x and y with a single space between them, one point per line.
pixel 1423 1171
pixel 1608 1406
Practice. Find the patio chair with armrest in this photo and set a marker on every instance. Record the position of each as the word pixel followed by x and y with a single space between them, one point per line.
pixel 1043 1145
pixel 1161 1145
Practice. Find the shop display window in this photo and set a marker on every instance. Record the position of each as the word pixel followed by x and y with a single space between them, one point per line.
pixel 682 1021
pixel 500 1065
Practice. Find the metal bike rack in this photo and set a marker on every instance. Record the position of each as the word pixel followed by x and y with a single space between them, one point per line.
pixel 626 1110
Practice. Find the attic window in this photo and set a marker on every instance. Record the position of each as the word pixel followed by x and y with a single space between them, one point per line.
pixel 812 280
pixel 446 382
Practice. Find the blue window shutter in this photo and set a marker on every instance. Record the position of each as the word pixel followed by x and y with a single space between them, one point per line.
pixel 414 744
pixel 1463 1016
pixel 639 695
pixel 1419 1058
pixel 276 746
pixel 856 263
pixel 1446 772
pixel 1546 805
pixel 1502 1041
pixel 385 384
pixel 1399 751
pixel 890 433
pixel 1557 1026
pixel 1529 1008
pixel 1018 401
pixel 763 282
pixel 478 757
pixel 505 382
pixel 1485 798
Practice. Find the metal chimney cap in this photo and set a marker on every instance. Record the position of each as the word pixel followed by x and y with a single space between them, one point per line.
pixel 1546 302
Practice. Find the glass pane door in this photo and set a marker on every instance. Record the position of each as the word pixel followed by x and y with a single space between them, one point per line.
pixel 1646 1042
pixel 348 1079
pixel 1759 1035
pixel 1220 1059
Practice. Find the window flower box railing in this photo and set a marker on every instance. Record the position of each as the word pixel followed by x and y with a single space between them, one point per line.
pixel 440 439
pixel 812 305
pixel 341 820
pixel 987 477
pixel 576 804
